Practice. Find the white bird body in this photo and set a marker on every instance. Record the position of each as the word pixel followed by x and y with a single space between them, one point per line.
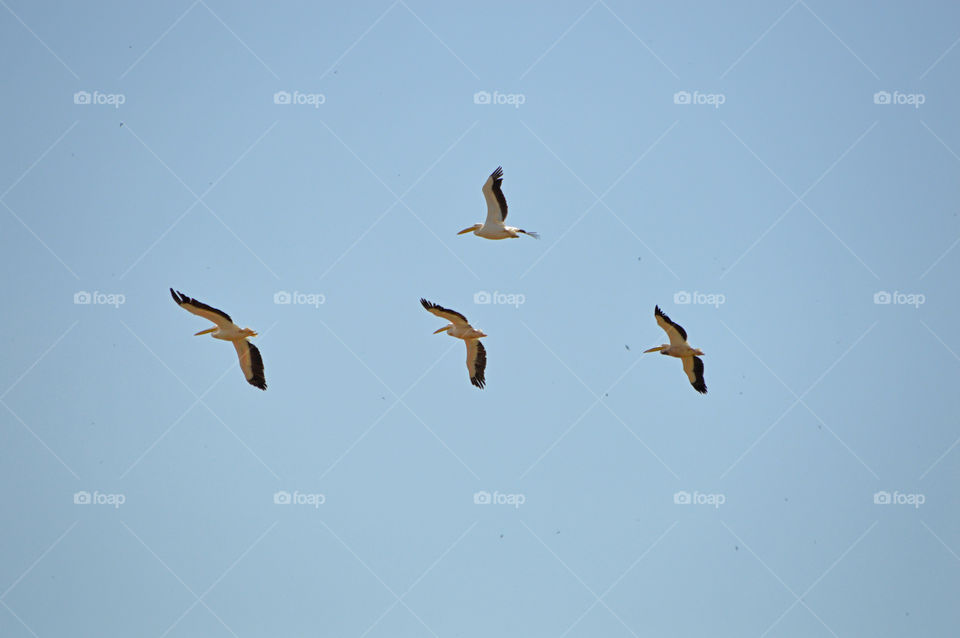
pixel 251 363
pixel 679 348
pixel 459 328
pixel 494 227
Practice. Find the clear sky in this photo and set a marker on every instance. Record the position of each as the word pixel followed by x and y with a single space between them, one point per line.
pixel 780 177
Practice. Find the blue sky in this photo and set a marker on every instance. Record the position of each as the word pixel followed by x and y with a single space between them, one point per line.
pixel 779 177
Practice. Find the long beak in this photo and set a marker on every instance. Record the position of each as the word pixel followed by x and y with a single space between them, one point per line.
pixel 657 349
pixel 207 331
pixel 443 329
pixel 467 230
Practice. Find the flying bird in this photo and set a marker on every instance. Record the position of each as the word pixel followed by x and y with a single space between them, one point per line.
pixel 678 347
pixel 250 360
pixel 493 227
pixel 461 329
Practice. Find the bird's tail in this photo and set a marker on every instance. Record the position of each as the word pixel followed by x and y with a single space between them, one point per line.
pixel 531 233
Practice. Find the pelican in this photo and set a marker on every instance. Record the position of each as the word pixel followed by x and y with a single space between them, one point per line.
pixel 493 227
pixel 678 347
pixel 250 361
pixel 459 328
